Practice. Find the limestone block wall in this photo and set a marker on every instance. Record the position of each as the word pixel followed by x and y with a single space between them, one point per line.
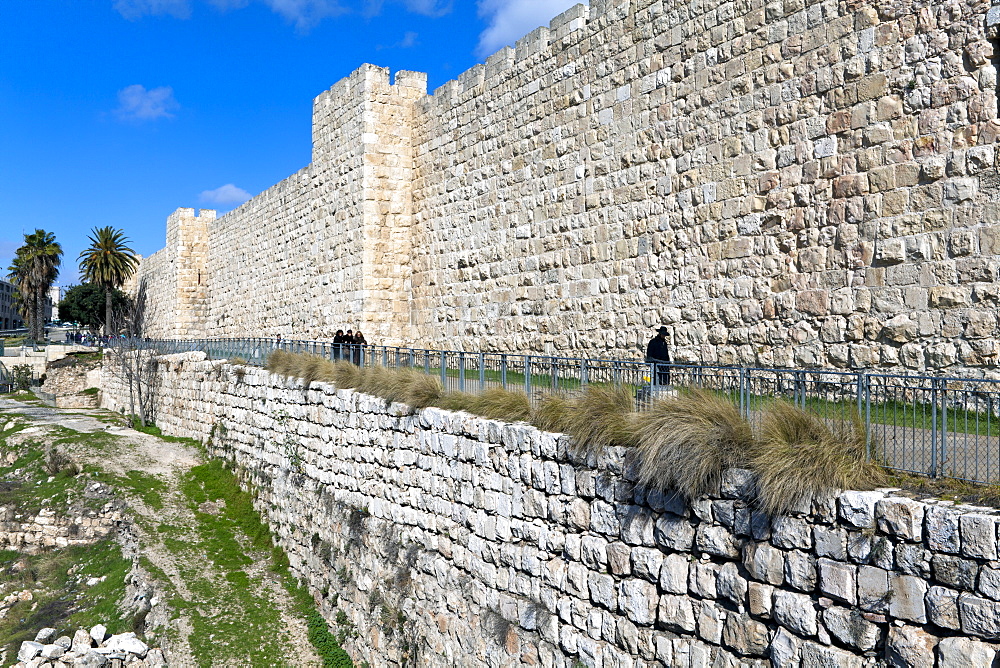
pixel 325 249
pixel 443 539
pixel 797 183
pixel 788 183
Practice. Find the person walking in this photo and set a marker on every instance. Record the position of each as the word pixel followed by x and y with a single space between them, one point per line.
pixel 658 354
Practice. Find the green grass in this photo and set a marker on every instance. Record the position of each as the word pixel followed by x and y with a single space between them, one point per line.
pixel 91 391
pixel 148 487
pixel 247 627
pixel 62 600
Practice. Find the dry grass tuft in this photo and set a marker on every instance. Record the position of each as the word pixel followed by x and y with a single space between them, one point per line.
pixel 685 443
pixel 500 404
pixel 456 401
pixel 799 455
pixel 313 368
pixel 553 414
pixel 280 362
pixel 346 376
pixel 424 391
pixel 599 418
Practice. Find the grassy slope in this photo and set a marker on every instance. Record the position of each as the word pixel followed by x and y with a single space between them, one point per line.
pixel 233 600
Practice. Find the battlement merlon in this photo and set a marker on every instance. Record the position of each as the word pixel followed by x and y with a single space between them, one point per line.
pixel 183 223
pixel 341 113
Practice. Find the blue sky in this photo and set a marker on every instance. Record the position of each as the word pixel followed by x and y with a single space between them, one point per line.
pixel 116 112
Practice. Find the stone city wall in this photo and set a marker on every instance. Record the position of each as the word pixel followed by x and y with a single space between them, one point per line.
pixel 787 183
pixel 442 539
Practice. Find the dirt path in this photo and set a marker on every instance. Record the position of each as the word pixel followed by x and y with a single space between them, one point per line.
pixel 226 607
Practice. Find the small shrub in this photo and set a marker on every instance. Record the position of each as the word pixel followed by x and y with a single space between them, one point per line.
pixel 685 443
pixel 236 360
pixel 799 455
pixel 57 461
pixel 20 376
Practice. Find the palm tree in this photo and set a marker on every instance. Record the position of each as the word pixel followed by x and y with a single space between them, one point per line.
pixel 109 262
pixel 34 270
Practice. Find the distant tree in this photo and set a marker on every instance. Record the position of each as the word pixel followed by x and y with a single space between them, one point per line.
pixel 33 271
pixel 109 262
pixel 85 304
pixel 132 361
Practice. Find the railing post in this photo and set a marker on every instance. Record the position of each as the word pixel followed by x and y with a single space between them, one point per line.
pixel 554 372
pixel 482 372
pixel 527 376
pixel 744 404
pixel 503 370
pixel 461 371
pixel 942 462
pixel 934 427
pixel 385 356
pixel 865 401
pixel 444 370
pixel 583 373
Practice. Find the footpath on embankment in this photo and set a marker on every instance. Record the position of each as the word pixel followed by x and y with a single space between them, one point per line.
pixel 142 533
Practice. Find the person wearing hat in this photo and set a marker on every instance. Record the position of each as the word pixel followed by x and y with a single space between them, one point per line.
pixel 658 353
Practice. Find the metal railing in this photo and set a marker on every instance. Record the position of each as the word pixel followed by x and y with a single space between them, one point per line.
pixel 936 426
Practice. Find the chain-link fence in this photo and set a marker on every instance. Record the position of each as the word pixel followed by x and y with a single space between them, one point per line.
pixel 928 425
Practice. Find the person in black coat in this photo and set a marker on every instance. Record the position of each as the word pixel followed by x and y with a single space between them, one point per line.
pixel 338 343
pixel 658 353
pixel 359 342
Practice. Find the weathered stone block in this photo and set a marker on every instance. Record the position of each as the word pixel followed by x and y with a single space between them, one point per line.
pixel 765 563
pixel 979 536
pixel 674 574
pixel 910 647
pixel 957 652
pixel 745 635
pixel 942 607
pixel 796 612
pixel 837 580
pixel 675 613
pixel 900 517
pixel 850 627
pixel 858 508
pixel 907 598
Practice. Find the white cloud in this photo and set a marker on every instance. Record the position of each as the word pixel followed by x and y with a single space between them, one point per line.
pixel 224 196
pixel 409 40
pixel 510 20
pixel 305 14
pixel 135 103
pixel 136 9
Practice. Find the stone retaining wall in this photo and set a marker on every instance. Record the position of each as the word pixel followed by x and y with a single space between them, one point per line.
pixel 443 539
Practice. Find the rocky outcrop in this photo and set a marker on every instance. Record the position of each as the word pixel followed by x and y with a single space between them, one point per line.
pixel 92 649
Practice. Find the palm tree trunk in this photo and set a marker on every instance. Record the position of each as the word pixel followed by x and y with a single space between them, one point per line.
pixel 37 327
pixel 107 310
